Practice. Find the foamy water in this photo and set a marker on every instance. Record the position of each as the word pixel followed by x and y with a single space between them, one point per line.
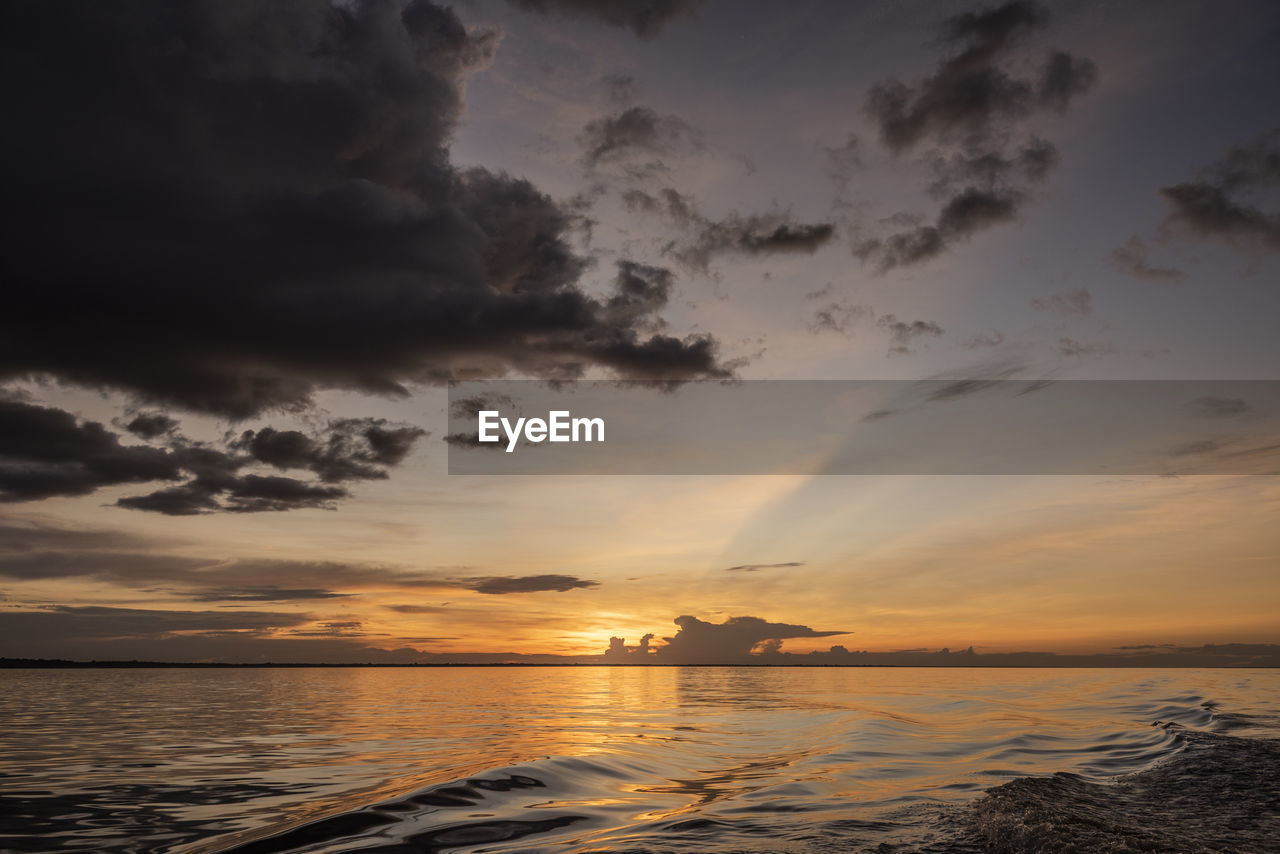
pixel 627 759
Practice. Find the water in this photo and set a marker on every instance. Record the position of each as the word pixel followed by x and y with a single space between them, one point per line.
pixel 638 759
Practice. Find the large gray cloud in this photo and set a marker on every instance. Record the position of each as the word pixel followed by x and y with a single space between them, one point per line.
pixel 227 205
pixel 973 110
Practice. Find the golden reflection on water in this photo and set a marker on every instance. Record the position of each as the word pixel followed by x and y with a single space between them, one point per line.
pixel 229 751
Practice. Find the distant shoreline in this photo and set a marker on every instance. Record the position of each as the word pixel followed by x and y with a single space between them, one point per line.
pixel 60 664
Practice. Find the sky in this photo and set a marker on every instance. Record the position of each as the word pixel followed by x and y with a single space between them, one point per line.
pixel 247 246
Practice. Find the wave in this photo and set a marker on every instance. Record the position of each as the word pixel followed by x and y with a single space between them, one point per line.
pixel 1220 793
pixel 1188 784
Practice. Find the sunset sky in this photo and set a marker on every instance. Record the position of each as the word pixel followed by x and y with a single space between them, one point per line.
pixel 247 244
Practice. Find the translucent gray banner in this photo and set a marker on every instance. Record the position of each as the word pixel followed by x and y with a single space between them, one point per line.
pixel 976 427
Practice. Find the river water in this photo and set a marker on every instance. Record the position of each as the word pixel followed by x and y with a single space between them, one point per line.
pixel 577 759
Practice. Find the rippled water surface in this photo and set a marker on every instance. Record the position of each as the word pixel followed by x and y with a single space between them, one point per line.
pixel 592 758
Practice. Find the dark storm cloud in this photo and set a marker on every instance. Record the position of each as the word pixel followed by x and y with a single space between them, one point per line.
pixel 1219 203
pixel 973 109
pixel 969 97
pixel 730 642
pixel 756 234
pixel 903 333
pixel 351 449
pixel 1131 259
pixel 761 236
pixel 639 290
pixel 151 425
pixel 991 168
pixel 250 493
pixel 645 18
pixel 637 131
pixel 754 567
pixel 173 501
pixel 970 211
pixel 1069 303
pixel 48 452
pixel 501 585
pixel 256 493
pixel 227 206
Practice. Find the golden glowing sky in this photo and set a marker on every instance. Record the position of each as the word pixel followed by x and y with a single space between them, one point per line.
pixel 1087 270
